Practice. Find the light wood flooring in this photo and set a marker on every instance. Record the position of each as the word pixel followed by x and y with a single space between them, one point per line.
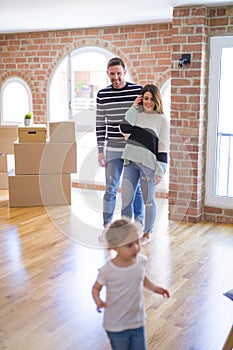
pixel 49 259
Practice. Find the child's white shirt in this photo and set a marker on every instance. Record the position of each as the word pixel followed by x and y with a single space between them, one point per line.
pixel 124 294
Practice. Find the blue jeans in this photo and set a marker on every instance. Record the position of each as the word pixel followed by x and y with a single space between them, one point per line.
pixel 134 174
pixel 131 339
pixel 113 171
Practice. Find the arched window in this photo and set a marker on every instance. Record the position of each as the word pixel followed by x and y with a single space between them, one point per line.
pixel 72 96
pixel 75 83
pixel 16 101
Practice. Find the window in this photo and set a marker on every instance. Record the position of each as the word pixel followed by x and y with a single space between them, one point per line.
pixel 75 83
pixel 72 96
pixel 88 75
pixel 16 101
pixel 166 98
pixel 219 173
pixel 58 93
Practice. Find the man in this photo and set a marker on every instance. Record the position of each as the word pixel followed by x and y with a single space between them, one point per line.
pixel 112 104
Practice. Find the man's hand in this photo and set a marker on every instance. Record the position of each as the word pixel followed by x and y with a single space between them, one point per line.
pixel 101 159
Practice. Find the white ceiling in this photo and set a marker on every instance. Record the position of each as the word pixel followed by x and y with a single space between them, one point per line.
pixel 37 15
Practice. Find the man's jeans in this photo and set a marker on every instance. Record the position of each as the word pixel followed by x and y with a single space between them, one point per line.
pixel 134 174
pixel 113 171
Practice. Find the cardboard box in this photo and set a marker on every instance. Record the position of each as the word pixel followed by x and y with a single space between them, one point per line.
pixel 45 158
pixel 3 181
pixel 34 133
pixel 39 190
pixel 3 163
pixel 62 132
pixel 8 135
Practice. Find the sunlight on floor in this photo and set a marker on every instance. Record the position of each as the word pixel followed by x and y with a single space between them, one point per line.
pixel 82 221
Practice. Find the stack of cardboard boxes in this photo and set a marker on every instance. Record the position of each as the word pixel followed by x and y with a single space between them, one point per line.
pixel 43 168
pixel 8 135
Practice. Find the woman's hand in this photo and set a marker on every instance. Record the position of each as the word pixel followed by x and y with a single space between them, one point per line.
pixel 137 100
pixel 157 179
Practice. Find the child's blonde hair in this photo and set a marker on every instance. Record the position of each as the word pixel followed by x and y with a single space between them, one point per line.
pixel 121 232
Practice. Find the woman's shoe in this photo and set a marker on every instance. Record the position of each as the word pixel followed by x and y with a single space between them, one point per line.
pixel 146 238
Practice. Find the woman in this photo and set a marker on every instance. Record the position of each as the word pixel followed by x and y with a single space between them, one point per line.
pixel 145 154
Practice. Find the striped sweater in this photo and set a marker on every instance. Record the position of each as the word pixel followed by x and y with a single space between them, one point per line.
pixel 148 142
pixel 112 105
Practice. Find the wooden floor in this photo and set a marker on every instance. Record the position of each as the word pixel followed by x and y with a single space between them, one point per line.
pixel 49 259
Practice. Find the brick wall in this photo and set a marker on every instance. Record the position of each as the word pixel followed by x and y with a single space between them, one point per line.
pixel 188 114
pixel 146 49
pixel 191 28
pixel 151 53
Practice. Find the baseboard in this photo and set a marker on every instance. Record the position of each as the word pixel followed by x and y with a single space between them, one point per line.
pixel 101 187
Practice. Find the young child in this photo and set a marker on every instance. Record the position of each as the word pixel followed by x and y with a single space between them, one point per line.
pixel 124 277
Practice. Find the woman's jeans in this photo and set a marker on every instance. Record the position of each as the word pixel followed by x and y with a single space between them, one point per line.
pixel 132 339
pixel 113 171
pixel 133 174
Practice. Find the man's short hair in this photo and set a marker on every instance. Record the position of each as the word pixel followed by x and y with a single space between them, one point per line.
pixel 116 61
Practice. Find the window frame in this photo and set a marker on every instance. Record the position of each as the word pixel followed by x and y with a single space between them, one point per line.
pixel 216 45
